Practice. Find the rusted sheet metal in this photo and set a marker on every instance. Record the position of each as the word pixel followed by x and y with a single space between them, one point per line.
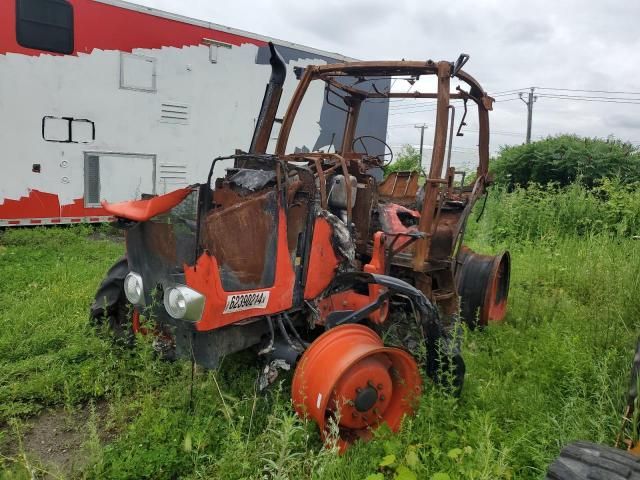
pixel 246 259
pixel 399 187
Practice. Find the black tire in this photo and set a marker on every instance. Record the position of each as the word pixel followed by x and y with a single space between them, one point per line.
pixel 110 308
pixel 440 357
pixel 479 296
pixel 585 460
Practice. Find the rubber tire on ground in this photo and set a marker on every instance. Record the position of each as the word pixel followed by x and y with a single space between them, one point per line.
pixel 585 460
pixel 110 306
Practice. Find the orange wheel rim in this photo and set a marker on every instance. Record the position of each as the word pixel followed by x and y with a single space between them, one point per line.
pixel 349 377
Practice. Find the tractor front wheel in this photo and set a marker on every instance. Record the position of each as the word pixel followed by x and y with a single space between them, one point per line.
pixel 349 383
pixel 111 309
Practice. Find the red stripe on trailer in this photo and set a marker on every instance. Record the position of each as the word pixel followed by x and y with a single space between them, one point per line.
pixel 108 27
pixel 37 204
pixel 53 221
pixel 46 205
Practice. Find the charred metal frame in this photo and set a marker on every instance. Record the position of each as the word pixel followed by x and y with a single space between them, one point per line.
pixel 439 184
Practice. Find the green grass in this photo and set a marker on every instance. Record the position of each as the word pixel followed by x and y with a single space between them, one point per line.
pixel 554 372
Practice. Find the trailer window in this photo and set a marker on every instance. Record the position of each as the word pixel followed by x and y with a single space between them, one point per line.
pixel 45 25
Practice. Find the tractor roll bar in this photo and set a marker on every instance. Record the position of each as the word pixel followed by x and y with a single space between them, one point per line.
pixel 444 71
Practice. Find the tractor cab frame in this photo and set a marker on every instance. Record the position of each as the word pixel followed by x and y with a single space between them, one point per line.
pixel 427 251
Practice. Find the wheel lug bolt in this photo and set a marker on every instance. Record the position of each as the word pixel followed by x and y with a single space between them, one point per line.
pixel 379 386
pixel 382 398
pixel 358 390
pixel 354 414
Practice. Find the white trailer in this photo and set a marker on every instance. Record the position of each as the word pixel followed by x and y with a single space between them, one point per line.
pixel 108 100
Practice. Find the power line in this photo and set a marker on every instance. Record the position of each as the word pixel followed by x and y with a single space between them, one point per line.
pixel 432 102
pixel 505 92
pixel 515 92
pixel 588 91
pixel 557 97
pixel 419 108
pixel 591 96
pixel 414 111
pixel 493 132
pixel 401 107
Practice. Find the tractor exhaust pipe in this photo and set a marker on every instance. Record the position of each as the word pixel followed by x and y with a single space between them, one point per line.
pixel 270 102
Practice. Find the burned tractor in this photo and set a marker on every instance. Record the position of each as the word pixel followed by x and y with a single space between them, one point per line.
pixel 311 261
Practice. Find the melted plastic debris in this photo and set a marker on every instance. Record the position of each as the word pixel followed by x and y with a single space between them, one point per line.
pixel 253 180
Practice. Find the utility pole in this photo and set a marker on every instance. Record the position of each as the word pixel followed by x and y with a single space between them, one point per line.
pixel 422 128
pixel 529 103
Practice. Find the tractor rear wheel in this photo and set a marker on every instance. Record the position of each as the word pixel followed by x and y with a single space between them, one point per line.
pixel 585 460
pixel 482 282
pixel 111 309
pixel 349 383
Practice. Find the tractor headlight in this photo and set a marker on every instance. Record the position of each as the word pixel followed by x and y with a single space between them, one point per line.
pixel 183 303
pixel 133 288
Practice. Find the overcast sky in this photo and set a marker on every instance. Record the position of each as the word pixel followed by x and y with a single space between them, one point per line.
pixel 566 44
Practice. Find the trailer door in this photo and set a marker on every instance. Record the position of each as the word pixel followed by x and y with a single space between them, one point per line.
pixel 117 177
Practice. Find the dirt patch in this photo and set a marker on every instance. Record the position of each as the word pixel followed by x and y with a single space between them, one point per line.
pixel 59 443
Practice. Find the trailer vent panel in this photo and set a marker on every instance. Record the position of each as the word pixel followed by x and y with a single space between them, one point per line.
pixel 92 180
pixel 172 176
pixel 174 113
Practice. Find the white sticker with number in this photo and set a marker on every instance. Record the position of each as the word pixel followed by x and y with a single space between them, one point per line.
pixel 246 301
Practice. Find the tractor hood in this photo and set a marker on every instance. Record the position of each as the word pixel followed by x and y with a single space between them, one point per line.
pixel 143 210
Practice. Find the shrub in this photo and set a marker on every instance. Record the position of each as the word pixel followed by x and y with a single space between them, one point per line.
pixel 565 159
pixel 538 212
pixel 408 160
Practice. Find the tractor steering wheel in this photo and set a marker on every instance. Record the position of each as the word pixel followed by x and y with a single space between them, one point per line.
pixel 382 158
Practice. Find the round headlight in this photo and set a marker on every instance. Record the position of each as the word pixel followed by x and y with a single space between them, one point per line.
pixel 183 303
pixel 175 303
pixel 133 288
